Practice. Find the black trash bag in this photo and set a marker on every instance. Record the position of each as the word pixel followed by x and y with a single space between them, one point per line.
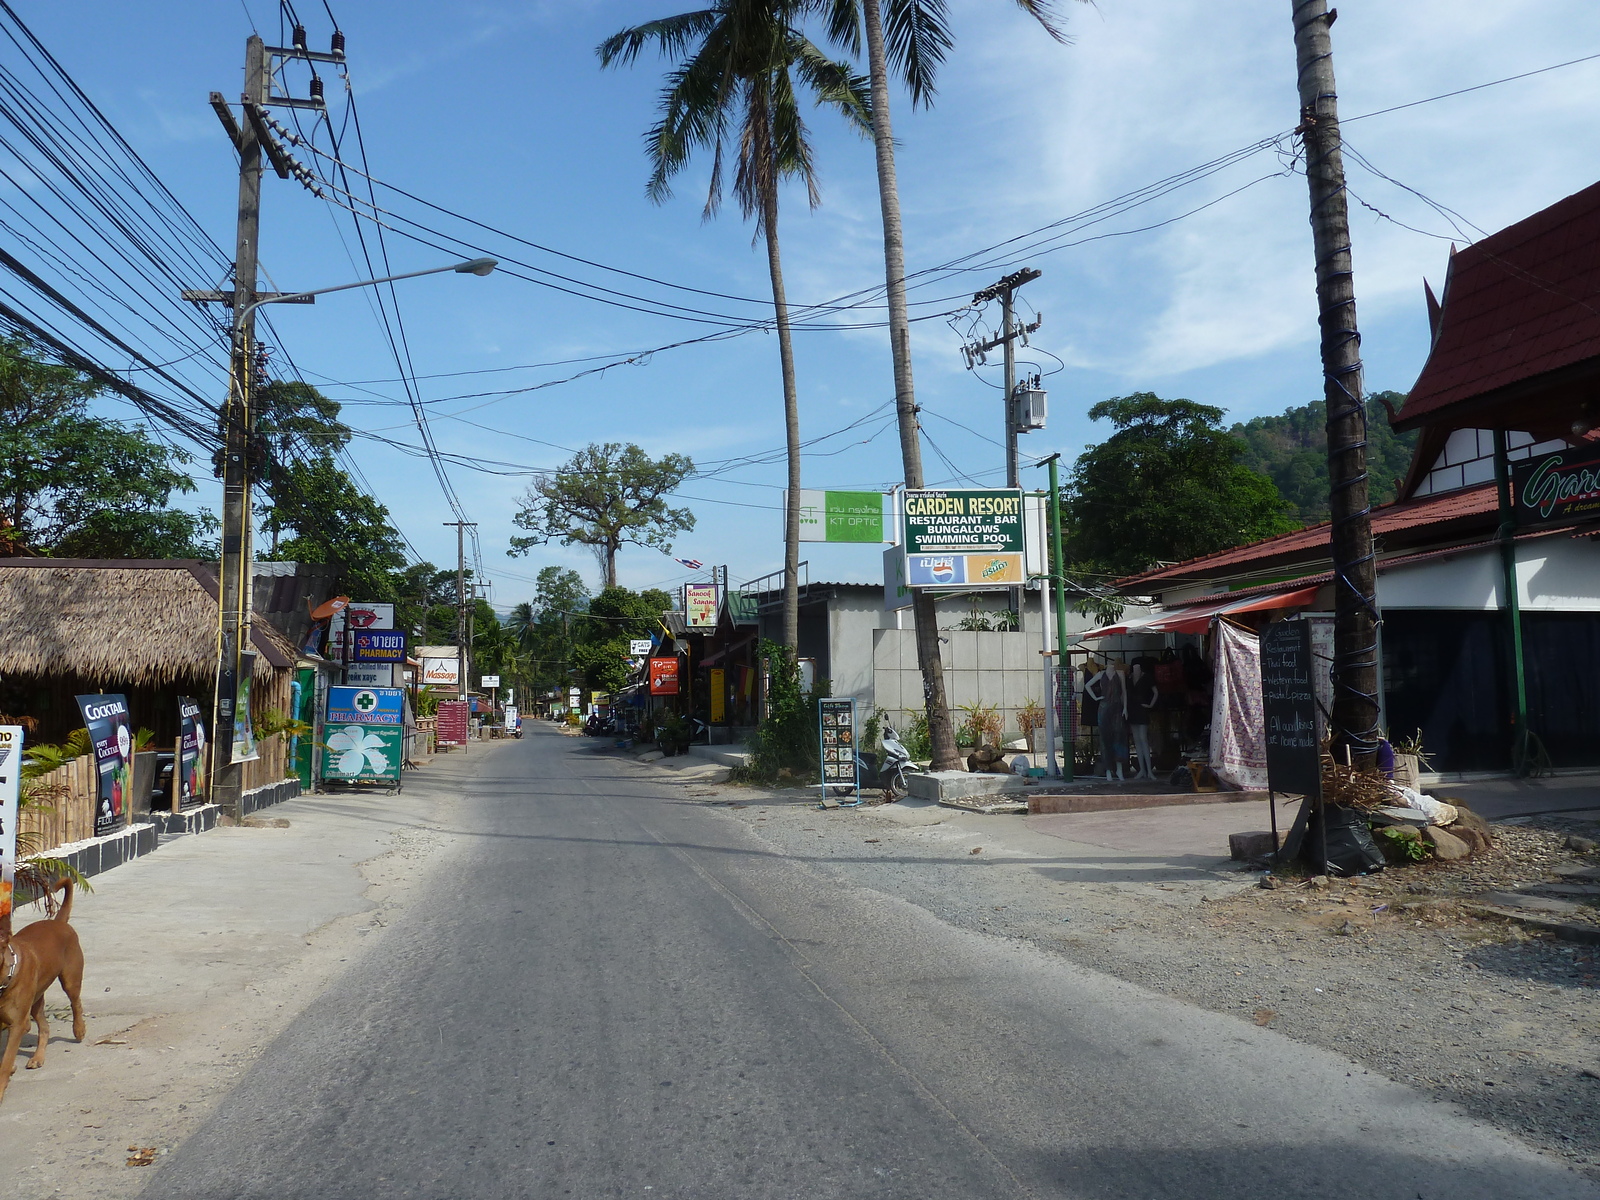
pixel 1350 848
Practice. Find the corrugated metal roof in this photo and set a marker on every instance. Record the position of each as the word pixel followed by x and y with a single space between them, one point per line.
pixel 1521 303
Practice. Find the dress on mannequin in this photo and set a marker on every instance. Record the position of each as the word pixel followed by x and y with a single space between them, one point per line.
pixel 1094 678
pixel 1142 697
pixel 1114 720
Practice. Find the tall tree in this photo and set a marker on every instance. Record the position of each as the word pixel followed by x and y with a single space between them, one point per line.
pixel 75 484
pixel 913 41
pixel 737 63
pixel 1166 486
pixel 615 616
pixel 608 496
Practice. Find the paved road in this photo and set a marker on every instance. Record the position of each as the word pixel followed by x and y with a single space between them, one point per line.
pixel 617 991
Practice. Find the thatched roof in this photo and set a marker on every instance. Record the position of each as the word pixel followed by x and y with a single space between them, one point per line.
pixel 139 622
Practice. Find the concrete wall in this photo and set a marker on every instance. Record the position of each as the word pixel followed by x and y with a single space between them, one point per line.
pixel 1554 574
pixel 1003 669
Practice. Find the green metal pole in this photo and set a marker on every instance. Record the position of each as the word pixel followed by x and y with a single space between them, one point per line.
pixel 1513 605
pixel 1058 573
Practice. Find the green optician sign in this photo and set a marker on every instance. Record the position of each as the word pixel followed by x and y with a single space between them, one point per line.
pixel 959 520
pixel 841 516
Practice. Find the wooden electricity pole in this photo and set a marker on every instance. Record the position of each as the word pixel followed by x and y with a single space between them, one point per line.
pixel 1355 646
pixel 461 604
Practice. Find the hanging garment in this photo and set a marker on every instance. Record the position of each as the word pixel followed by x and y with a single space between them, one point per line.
pixel 1113 719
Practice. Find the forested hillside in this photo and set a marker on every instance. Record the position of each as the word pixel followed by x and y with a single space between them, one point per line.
pixel 1292 450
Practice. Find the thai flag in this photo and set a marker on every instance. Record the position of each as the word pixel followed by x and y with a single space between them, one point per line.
pixel 694 564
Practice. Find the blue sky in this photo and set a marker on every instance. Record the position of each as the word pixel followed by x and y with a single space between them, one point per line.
pixel 499 111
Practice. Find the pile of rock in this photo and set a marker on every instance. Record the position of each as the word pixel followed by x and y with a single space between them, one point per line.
pixel 989 760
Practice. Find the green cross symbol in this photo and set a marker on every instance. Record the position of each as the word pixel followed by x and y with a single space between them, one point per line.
pixel 366 701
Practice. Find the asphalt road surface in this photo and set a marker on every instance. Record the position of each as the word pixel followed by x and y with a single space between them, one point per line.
pixel 613 990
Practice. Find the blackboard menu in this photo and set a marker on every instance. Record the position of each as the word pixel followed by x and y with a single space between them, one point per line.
pixel 836 720
pixel 1289 705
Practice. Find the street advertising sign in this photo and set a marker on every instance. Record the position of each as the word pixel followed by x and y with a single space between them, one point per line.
pixel 638 646
pixel 378 646
pixel 355 618
pixel 452 727
pixel 839 516
pixel 511 694
pixel 700 605
pixel 1549 489
pixel 719 695
pixel 1289 707
pixel 107 720
pixel 964 537
pixel 513 718
pixel 836 722
pixel 365 730
pixel 191 752
pixel 441 672
pixel 10 806
pixel 663 677
pixel 489 681
pixel 897 591
pixel 244 731
pixel 372 675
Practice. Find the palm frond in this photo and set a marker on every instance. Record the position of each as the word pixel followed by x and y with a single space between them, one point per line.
pixel 672 34
pixel 835 83
pixel 916 35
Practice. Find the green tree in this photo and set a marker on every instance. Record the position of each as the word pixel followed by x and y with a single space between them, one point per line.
pixel 608 496
pixel 737 64
pixel 543 627
pixel 334 521
pixel 615 617
pixel 1165 486
pixel 1292 449
pixel 80 485
pixel 912 41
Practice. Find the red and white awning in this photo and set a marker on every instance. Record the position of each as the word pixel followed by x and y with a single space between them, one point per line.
pixel 1197 618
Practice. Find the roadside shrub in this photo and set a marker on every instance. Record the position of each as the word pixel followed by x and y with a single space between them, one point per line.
pixel 787 738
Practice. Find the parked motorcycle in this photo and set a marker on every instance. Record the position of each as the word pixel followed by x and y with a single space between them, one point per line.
pixel 896 765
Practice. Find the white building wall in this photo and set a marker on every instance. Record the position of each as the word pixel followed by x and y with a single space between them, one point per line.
pixel 1554 574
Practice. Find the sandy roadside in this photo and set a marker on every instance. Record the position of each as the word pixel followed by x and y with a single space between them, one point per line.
pixel 197 957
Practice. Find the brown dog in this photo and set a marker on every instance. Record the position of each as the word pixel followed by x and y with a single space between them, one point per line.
pixel 45 952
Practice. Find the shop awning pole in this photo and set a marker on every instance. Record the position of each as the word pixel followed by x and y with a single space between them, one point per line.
pixel 1521 749
pixel 1058 568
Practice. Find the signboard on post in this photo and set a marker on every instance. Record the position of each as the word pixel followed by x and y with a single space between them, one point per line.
pixel 1548 489
pixel 107 720
pixel 441 672
pixel 452 723
pixel 663 677
pixel 10 805
pixel 836 721
pixel 355 618
pixel 637 646
pixel 489 681
pixel 191 752
pixel 700 605
pixel 365 735
pixel 839 516
pixel 1289 708
pixel 372 675
pixel 378 646
pixel 964 537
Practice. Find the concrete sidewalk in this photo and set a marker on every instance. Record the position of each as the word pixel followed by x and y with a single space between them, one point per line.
pixel 1497 799
pixel 196 956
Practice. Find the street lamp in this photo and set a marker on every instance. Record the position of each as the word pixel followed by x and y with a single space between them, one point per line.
pixel 234 600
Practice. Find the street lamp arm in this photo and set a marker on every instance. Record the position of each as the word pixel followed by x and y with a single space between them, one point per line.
pixel 472 266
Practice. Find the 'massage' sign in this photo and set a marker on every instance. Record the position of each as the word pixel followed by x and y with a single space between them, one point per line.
pixel 1548 489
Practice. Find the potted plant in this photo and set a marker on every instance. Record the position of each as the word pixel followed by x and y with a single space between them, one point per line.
pixel 1410 760
pixel 1031 720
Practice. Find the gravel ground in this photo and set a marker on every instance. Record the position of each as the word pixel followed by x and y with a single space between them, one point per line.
pixel 1389 971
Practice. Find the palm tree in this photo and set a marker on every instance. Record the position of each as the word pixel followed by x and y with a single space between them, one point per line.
pixel 915 37
pixel 737 65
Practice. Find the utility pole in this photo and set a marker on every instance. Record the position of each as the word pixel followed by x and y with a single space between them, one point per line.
pixel 1058 572
pixel 250 137
pixel 1356 619
pixel 461 604
pixel 1005 291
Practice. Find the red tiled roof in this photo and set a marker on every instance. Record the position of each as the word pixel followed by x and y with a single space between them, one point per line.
pixel 1302 543
pixel 1519 304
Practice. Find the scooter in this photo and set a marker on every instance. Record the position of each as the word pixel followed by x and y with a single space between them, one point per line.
pixel 895 766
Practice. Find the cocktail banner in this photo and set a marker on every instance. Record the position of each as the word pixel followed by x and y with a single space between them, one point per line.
pixel 191 750
pixel 244 732
pixel 10 794
pixel 107 720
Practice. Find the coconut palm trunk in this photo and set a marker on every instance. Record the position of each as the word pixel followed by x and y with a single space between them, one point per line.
pixel 791 422
pixel 923 609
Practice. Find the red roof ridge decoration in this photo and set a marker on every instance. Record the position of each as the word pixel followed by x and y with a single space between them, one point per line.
pixel 1519 313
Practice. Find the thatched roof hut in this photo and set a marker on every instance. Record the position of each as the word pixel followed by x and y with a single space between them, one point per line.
pixel 147 629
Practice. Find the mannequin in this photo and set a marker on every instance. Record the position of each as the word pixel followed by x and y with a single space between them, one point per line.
pixel 1093 696
pixel 1142 697
pixel 1114 718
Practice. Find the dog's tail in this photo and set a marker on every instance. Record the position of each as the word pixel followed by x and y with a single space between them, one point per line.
pixel 64 913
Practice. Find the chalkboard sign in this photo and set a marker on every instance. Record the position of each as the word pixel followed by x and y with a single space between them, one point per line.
pixel 1289 705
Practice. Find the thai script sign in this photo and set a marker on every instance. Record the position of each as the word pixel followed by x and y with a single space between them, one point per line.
pixel 365 730
pixel 957 520
pixel 1556 487
pixel 10 797
pixel 107 721
pixel 839 516
pixel 452 723
pixel 964 570
pixel 700 605
pixel 191 752
pixel 378 646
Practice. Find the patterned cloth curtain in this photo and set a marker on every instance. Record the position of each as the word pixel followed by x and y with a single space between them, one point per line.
pixel 1238 730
